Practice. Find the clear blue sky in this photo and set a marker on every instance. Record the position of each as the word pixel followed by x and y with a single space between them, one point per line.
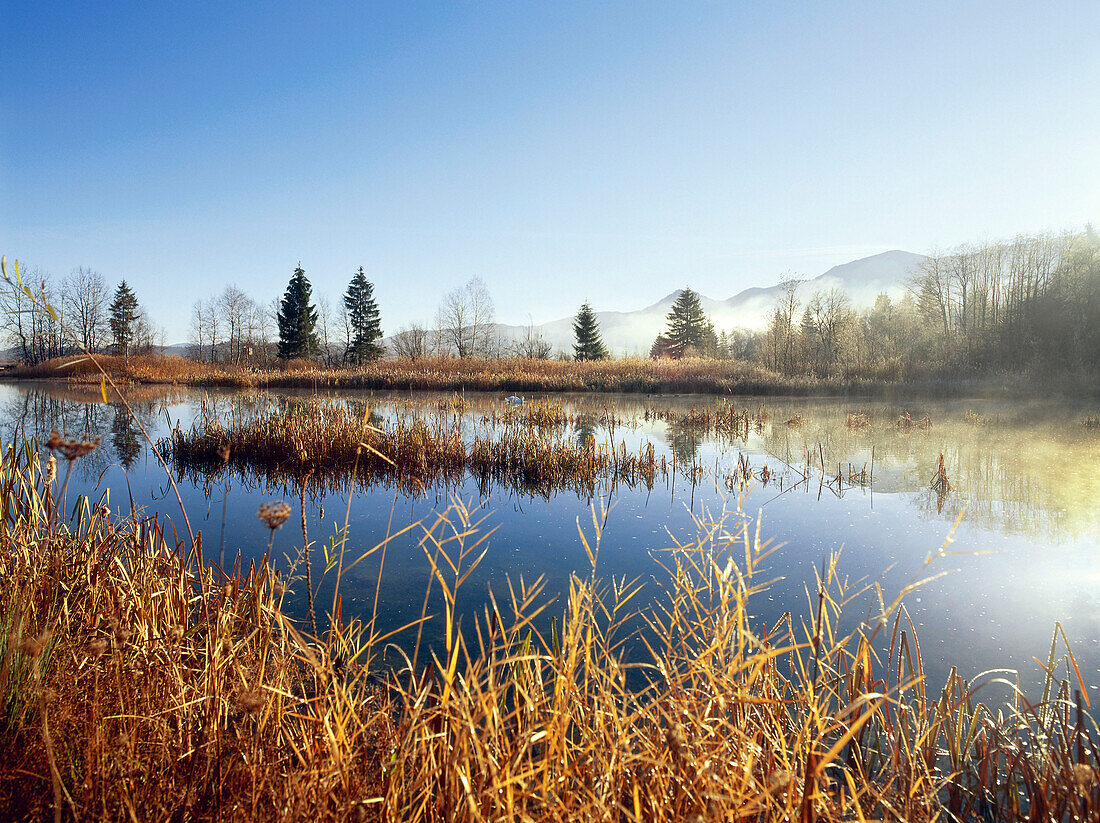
pixel 561 151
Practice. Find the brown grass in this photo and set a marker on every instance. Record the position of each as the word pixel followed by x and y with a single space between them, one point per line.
pixel 327 439
pixel 138 684
pixel 522 376
pixel 906 423
pixel 858 421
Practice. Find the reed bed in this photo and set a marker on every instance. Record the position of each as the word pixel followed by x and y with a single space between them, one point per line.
pixel 450 374
pixel 137 683
pixel 858 421
pixel 797 421
pixel 332 439
pixel 720 418
pixel 906 423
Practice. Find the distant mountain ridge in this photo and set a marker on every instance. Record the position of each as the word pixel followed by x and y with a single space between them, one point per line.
pixel 633 332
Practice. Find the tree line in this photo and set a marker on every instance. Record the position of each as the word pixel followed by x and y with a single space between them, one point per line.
pixel 1031 302
pixel 97 318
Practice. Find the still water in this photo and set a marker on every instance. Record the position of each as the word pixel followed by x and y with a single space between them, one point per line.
pixel 1024 484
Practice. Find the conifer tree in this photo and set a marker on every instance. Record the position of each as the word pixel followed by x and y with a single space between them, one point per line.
pixel 586 329
pixel 687 325
pixel 363 319
pixel 123 313
pixel 297 319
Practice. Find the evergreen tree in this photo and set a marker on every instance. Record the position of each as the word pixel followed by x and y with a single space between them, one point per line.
pixel 708 345
pixel 687 325
pixel 363 318
pixel 297 319
pixel 586 329
pixel 123 313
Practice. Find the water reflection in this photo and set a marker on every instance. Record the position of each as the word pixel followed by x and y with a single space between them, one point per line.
pixel 1025 477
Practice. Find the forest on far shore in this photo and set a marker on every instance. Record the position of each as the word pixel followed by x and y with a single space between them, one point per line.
pixel 1030 305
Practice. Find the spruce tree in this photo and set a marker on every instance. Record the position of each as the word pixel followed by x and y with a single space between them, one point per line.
pixel 586 329
pixel 687 324
pixel 297 319
pixel 123 313
pixel 363 318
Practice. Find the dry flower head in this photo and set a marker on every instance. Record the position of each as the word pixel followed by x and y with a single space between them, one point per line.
pixel 71 448
pixel 274 514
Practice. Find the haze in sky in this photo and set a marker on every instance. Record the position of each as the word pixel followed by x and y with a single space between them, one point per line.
pixel 561 151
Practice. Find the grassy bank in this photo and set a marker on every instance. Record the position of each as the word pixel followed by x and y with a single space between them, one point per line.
pixel 136 683
pixel 635 375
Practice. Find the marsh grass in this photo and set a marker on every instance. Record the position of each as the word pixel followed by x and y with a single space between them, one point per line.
pixel 138 682
pixel 905 423
pixel 529 451
pixel 523 376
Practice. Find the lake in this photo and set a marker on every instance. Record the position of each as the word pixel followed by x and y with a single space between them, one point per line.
pixel 817 475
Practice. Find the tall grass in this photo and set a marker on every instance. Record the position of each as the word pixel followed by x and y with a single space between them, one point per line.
pixel 630 375
pixel 137 683
pixel 529 450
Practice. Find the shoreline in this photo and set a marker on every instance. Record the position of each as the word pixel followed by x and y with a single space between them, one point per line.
pixel 635 376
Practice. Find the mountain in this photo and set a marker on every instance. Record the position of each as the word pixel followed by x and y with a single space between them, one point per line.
pixel 633 332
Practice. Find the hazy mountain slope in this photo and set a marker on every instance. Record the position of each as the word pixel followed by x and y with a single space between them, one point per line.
pixel 634 331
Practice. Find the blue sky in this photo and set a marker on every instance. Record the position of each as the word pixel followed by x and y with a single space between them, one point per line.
pixel 560 151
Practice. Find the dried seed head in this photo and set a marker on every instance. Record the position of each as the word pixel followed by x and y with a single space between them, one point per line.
pixel 780 782
pixel 1083 776
pixel 51 470
pixel 675 738
pixel 274 514
pixel 252 701
pixel 71 448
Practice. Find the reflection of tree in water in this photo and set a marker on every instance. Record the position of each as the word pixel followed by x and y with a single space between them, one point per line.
pixel 125 437
pixel 584 429
pixel 684 445
pixel 34 414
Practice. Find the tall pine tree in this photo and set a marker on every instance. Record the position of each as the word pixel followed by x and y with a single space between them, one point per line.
pixel 297 319
pixel 123 315
pixel 687 325
pixel 586 329
pixel 363 320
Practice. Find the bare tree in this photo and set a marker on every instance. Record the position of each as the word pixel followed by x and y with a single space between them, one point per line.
pixel 466 321
pixel 412 341
pixel 34 333
pixel 233 307
pixel 206 328
pixel 85 295
pixel 325 330
pixel 532 345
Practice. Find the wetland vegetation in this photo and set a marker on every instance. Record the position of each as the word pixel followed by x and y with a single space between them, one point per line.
pixel 675 678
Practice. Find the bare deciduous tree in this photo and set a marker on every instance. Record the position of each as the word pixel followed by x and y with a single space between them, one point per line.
pixel 86 296
pixel 412 341
pixel 466 321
